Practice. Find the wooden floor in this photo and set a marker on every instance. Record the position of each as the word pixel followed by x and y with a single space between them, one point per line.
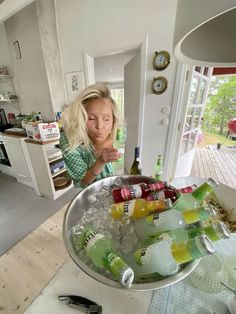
pixel 219 165
pixel 28 266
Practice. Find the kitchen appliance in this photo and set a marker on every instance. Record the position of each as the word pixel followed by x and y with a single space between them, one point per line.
pixel 4 160
pixel 3 121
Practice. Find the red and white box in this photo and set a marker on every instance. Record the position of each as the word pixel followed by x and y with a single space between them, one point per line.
pixel 42 131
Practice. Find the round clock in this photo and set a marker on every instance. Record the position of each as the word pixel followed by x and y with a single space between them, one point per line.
pixel 161 60
pixel 159 85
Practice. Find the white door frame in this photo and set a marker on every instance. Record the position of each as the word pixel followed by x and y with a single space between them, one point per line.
pixel 90 74
pixel 175 130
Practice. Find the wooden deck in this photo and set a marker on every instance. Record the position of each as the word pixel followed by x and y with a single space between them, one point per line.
pixel 219 165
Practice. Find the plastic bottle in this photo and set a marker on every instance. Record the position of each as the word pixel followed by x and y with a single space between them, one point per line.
pixel 119 144
pixel 99 249
pixel 165 257
pixel 138 208
pixel 194 199
pixel 215 232
pixel 136 166
pixel 140 190
pixel 158 170
pixel 169 220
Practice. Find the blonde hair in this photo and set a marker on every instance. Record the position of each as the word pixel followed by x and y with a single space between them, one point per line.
pixel 74 117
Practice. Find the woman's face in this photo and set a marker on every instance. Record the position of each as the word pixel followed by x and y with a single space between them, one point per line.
pixel 100 119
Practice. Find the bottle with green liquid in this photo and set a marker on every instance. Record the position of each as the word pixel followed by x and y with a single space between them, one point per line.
pixel 165 257
pixel 215 231
pixel 119 144
pixel 158 170
pixel 169 220
pixel 195 199
pixel 100 251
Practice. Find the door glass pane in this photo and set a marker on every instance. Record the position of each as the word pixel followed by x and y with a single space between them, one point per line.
pixel 201 91
pixel 193 91
pixel 184 142
pixel 191 140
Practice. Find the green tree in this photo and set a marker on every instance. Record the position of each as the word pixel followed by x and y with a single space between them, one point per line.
pixel 221 105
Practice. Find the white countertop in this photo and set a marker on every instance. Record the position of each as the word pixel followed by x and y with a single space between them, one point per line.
pixel 71 280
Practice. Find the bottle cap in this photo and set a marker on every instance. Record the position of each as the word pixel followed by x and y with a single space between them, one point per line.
pixel 204 244
pixel 222 229
pixel 168 203
pixel 137 151
pixel 212 182
pixel 126 277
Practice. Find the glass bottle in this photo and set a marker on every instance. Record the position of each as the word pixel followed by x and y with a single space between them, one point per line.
pixel 165 257
pixel 194 199
pixel 136 166
pixel 138 208
pixel 158 170
pixel 169 220
pixel 119 144
pixel 130 192
pixel 169 192
pixel 215 232
pixel 100 251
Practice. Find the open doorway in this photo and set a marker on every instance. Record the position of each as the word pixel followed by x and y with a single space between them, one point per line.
pixel 208 105
pixel 216 147
pixel 124 73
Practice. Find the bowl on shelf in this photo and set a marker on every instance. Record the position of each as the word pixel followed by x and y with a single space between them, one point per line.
pixel 61 182
pixel 74 214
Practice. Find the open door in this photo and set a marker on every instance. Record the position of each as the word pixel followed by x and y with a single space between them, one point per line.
pixel 193 110
pixel 132 74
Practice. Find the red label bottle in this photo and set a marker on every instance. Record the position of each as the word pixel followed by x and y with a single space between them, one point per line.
pixel 135 191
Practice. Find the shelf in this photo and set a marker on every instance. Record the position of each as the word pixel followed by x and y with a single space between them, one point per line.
pixel 5 76
pixel 59 172
pixel 54 159
pixel 9 100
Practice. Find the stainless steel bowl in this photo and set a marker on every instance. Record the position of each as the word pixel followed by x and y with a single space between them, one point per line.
pixel 74 213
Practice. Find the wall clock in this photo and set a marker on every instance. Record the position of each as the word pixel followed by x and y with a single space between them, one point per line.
pixel 159 85
pixel 161 60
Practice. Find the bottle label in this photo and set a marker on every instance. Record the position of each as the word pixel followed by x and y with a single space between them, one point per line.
pixel 142 256
pixel 151 219
pixel 91 239
pixel 133 191
pixel 156 186
pixel 129 208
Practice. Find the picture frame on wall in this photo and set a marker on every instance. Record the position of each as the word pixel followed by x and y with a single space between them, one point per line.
pixel 74 84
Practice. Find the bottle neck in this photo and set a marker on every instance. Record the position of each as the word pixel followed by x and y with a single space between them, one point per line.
pixel 137 153
pixel 202 191
pixel 187 251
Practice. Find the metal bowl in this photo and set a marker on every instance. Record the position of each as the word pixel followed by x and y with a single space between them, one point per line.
pixel 73 214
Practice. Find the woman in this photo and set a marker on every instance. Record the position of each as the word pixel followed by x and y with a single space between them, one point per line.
pixel 89 130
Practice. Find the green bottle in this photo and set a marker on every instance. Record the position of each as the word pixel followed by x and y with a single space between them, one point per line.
pixel 215 232
pixel 118 165
pixel 158 170
pixel 195 199
pixel 136 166
pixel 99 249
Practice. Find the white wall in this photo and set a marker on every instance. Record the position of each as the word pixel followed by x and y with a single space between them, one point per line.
pixel 102 26
pixel 111 68
pixel 29 71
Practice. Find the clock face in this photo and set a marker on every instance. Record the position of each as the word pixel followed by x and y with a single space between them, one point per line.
pixel 159 85
pixel 161 60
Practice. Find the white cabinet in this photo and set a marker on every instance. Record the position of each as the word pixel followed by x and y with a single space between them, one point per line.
pixel 42 166
pixel 20 167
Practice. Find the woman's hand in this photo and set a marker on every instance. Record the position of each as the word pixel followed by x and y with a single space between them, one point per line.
pixel 108 155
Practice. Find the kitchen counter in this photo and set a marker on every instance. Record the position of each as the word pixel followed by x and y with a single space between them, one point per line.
pixel 71 280
pixel 13 134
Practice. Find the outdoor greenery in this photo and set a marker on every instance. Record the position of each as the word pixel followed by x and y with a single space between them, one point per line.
pixel 221 105
pixel 213 139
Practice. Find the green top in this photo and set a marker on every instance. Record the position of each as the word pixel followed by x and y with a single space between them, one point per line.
pixel 79 160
